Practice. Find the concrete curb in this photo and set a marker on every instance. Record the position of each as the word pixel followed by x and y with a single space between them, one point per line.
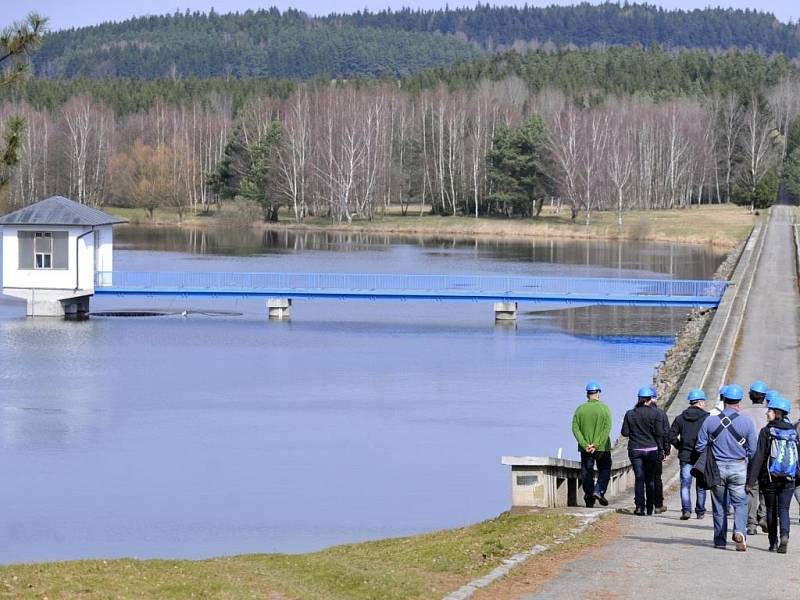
pixel 796 229
pixel 468 590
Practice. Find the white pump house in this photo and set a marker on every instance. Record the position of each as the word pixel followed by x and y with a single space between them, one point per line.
pixel 51 251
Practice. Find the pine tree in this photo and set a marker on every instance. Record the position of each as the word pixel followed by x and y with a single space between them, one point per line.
pixel 791 174
pixel 517 167
pixel 258 181
pixel 16 43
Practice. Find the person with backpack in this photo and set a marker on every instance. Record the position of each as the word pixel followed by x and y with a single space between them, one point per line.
pixel 757 413
pixel 683 436
pixel 797 481
pixel 732 442
pixel 643 427
pixel 774 467
pixel 591 426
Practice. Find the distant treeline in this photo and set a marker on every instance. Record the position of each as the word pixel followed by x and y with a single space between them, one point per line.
pixel 264 43
pixel 586 76
pixel 268 43
pixel 650 72
pixel 585 24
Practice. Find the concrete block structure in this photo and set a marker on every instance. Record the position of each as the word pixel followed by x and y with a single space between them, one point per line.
pixel 505 311
pixel 279 308
pixel 556 482
pixel 51 251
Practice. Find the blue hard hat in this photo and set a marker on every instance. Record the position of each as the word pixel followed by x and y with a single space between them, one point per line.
pixel 646 392
pixel 759 387
pixel 592 386
pixel 733 392
pixel 780 404
pixel 696 394
pixel 772 394
pixel 722 390
pixel 653 392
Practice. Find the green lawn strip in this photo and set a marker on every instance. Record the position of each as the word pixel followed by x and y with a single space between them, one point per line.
pixel 417 567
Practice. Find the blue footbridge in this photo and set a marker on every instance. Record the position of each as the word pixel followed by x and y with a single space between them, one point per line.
pixel 504 291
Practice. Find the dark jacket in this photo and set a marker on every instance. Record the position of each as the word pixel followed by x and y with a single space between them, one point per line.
pixel 644 428
pixel 758 469
pixel 664 444
pixel 683 433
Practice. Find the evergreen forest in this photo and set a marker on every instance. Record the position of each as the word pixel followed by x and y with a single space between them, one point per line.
pixel 291 44
pixel 584 25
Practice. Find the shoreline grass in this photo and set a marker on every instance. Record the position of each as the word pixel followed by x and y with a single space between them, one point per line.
pixel 420 567
pixel 718 225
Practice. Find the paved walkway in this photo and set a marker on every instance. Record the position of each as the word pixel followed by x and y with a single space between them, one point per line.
pixel 664 557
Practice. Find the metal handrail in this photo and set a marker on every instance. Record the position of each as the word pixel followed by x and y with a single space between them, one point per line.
pixel 397 284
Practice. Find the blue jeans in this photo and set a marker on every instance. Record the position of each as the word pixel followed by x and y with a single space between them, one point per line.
pixel 644 463
pixel 686 491
pixel 778 499
pixel 590 488
pixel 733 475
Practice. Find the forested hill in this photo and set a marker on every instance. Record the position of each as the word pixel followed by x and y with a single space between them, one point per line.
pixel 268 43
pixel 264 43
pixel 584 24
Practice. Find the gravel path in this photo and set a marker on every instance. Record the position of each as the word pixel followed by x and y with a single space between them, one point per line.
pixel 664 557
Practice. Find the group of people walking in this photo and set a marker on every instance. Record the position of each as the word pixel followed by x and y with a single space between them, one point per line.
pixel 746 456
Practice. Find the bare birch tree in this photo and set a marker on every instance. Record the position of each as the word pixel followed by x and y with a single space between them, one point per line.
pixel 564 147
pixel 759 146
pixel 620 157
pixel 294 152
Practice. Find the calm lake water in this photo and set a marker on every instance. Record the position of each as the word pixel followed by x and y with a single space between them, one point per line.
pixel 206 435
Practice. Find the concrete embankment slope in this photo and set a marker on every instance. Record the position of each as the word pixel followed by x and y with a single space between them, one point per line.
pixel 662 556
pixel 768 343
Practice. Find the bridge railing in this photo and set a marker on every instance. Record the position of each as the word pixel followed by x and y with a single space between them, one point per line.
pixel 466 284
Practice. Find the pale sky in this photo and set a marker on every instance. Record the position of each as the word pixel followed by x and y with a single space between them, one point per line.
pixel 75 13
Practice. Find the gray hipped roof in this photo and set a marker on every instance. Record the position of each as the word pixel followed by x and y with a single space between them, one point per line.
pixel 58 210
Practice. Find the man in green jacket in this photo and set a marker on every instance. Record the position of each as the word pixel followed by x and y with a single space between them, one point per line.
pixel 591 426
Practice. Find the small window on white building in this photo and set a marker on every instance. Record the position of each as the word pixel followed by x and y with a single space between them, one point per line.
pixel 43 250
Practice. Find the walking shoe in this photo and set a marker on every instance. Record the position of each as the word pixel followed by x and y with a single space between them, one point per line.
pixel 763 524
pixel 741 544
pixel 772 547
pixel 752 530
pixel 701 516
pixel 720 546
pixel 639 512
pixel 661 509
pixel 601 499
pixel 685 516
pixel 784 545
